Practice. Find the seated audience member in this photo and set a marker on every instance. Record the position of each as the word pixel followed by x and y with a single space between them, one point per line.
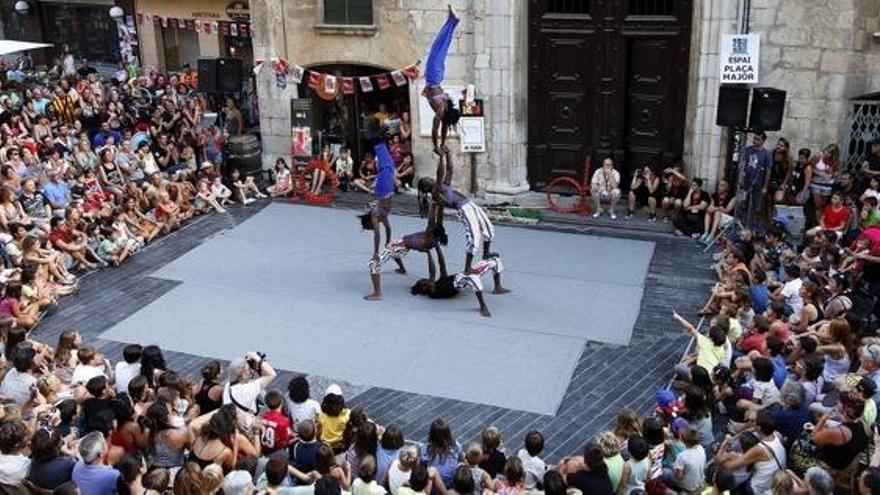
pixel 605 188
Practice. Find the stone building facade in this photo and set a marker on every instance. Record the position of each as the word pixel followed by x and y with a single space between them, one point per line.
pixel 822 52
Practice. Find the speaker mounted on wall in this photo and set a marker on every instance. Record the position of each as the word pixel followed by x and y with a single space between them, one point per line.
pixel 768 107
pixel 220 75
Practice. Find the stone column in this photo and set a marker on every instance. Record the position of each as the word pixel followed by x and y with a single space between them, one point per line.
pixel 500 50
pixel 269 40
pixel 706 143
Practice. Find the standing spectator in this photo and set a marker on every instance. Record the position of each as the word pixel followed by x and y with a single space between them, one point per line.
pixel 798 187
pixel 780 170
pixel 824 169
pixel 757 174
pixel 605 188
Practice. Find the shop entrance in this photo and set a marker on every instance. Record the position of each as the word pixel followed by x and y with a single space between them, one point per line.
pixel 351 120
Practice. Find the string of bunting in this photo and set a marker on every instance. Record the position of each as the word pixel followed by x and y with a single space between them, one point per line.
pixel 234 29
pixel 329 86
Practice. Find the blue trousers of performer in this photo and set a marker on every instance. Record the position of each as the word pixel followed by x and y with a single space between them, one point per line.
pixel 436 64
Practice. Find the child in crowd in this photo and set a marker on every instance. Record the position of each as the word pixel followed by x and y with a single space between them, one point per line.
pixel 303 451
pixel 128 368
pixel 244 187
pixel 221 192
pixel 493 458
pixel 400 469
pixel 514 477
pixel 112 248
pixel 365 483
pixel 333 418
pixel 482 480
pixel 283 184
pixel 635 471
pixel 299 405
pixel 689 466
pixel 205 199
pixel 533 465
pixel 277 433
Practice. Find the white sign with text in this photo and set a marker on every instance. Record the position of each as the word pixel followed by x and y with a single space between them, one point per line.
pixel 740 58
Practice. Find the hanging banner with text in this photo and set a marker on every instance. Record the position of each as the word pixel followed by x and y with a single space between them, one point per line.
pixel 740 58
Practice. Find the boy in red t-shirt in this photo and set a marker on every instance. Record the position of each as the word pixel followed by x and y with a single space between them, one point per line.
pixel 835 217
pixel 277 434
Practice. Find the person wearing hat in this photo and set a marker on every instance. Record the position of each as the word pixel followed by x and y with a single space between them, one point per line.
pixel 248 377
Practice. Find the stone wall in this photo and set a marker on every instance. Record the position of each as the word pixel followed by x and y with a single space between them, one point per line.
pixel 488 52
pixel 822 52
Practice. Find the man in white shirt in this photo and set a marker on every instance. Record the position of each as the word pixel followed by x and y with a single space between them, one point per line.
pixel 129 367
pixel 248 378
pixel 605 188
pixel 790 292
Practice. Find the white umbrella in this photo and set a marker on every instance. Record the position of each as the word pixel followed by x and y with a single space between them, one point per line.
pixel 10 46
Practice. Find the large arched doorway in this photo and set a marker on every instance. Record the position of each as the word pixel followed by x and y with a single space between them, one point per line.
pixel 606 77
pixel 351 120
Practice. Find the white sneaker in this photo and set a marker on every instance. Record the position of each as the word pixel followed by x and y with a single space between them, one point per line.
pixel 613 216
pixel 249 201
pixel 597 214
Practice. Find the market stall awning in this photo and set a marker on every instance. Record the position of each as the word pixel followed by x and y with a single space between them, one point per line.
pixel 10 46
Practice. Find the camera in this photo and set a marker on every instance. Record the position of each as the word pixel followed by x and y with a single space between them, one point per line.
pixel 255 363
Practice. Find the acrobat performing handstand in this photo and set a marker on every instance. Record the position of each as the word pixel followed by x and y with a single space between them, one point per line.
pixel 380 208
pixel 445 113
pixel 449 286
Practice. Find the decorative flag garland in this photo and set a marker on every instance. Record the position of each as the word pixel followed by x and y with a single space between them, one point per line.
pixel 234 29
pixel 326 84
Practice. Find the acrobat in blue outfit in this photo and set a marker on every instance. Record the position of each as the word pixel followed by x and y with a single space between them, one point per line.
pixel 445 113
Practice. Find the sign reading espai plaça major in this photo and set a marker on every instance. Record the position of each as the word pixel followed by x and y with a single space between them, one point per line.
pixel 740 58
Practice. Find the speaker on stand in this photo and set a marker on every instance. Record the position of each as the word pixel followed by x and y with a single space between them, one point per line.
pixel 733 106
pixel 207 75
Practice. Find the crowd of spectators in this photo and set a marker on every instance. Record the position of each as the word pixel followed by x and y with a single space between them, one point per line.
pixel 777 396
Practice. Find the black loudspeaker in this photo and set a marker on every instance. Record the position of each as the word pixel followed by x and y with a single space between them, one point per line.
pixel 207 75
pixel 229 75
pixel 768 105
pixel 733 106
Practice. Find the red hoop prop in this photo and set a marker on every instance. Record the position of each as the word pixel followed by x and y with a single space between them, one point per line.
pixel 302 188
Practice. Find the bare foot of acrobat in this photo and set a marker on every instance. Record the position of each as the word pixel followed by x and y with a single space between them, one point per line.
pixel 375 296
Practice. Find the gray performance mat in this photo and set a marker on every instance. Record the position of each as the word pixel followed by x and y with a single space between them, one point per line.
pixel 289 282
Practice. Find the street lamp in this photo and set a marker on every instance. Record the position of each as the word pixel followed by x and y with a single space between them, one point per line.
pixel 22 7
pixel 116 13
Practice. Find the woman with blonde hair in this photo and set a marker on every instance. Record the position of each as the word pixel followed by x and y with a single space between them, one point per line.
pixel 824 166
pixel 627 425
pixel 609 445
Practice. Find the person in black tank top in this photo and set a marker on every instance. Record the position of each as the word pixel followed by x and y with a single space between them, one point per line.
pixel 210 388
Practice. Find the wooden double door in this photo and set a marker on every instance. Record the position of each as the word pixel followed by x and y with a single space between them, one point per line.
pixel 606 77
